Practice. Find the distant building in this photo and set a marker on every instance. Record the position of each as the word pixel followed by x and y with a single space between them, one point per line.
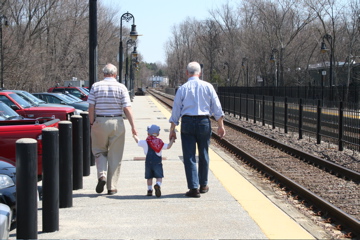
pixel 320 72
pixel 158 81
pixel 76 83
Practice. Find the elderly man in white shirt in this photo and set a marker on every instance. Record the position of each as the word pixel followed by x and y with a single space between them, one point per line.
pixel 195 102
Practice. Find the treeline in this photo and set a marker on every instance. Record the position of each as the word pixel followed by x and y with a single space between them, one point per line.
pixel 47 41
pixel 235 44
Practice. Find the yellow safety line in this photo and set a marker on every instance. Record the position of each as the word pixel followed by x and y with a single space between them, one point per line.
pixel 274 223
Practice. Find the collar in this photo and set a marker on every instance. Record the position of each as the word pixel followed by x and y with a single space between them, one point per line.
pixel 193 78
pixel 109 79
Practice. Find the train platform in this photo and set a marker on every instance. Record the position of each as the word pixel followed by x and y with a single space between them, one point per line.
pixel 234 208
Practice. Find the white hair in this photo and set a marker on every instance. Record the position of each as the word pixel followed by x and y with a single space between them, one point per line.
pixel 109 69
pixel 193 68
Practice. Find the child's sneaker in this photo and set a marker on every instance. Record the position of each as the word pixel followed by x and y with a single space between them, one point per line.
pixel 149 193
pixel 157 190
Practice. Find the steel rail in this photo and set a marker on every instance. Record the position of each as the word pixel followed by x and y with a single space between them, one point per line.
pixel 331 167
pixel 343 218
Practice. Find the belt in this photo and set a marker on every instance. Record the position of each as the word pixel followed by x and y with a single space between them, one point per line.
pixel 118 115
pixel 196 116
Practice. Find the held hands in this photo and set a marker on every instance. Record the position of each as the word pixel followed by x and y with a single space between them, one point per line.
pixel 134 132
pixel 172 135
pixel 136 138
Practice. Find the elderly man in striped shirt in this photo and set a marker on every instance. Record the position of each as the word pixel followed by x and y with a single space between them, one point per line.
pixel 108 101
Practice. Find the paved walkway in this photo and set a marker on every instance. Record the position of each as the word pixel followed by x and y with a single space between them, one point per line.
pixel 232 209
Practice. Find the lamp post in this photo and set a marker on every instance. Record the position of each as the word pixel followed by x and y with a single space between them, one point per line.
pixel 137 84
pixel 134 55
pixel 133 34
pixel 133 68
pixel 3 19
pixel 245 60
pixel 325 49
pixel 130 42
pixel 228 73
pixel 275 60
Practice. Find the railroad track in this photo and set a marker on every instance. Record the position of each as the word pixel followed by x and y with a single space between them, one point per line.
pixel 325 187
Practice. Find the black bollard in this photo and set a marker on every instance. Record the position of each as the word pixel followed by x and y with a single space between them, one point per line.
pixel 65 164
pixel 26 188
pixel 50 163
pixel 86 143
pixel 77 124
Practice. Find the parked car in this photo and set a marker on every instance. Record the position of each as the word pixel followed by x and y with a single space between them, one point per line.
pixel 8 213
pixel 25 109
pixel 78 92
pixel 7 196
pixel 62 98
pixel 34 101
pixel 5 221
pixel 86 89
pixel 13 127
pixel 73 97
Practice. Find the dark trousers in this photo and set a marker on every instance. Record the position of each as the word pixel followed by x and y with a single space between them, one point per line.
pixel 196 132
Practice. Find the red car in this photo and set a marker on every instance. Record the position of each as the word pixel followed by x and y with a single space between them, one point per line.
pixel 13 127
pixel 78 92
pixel 26 110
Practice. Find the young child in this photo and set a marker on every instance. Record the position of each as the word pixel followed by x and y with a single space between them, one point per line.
pixel 153 147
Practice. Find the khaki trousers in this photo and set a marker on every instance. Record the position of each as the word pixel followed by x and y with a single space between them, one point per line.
pixel 108 140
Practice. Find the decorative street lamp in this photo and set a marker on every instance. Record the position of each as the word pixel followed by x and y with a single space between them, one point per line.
pixel 133 34
pixel 3 19
pixel 228 74
pixel 324 49
pixel 274 59
pixel 130 42
pixel 133 68
pixel 245 60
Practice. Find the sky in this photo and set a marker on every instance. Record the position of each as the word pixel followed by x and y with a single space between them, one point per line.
pixel 154 20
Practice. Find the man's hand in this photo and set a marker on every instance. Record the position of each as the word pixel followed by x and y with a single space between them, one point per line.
pixel 221 131
pixel 172 135
pixel 136 138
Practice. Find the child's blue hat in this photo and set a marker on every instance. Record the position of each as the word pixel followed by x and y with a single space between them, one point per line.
pixel 153 129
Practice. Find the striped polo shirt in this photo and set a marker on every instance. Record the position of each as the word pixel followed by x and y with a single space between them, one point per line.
pixel 109 97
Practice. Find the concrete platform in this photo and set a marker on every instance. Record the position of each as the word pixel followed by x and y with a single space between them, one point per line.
pixel 232 209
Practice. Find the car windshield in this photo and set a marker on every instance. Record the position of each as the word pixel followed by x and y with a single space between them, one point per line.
pixel 65 98
pixel 86 90
pixel 6 112
pixel 29 98
pixel 32 98
pixel 75 99
pixel 20 100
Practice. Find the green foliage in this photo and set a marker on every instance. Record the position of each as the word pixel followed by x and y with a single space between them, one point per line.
pixel 159 73
pixel 155 69
pixel 151 66
pixel 215 77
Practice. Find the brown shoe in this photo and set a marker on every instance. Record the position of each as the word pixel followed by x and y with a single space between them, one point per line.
pixel 193 193
pixel 112 192
pixel 149 193
pixel 100 185
pixel 204 189
pixel 157 190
